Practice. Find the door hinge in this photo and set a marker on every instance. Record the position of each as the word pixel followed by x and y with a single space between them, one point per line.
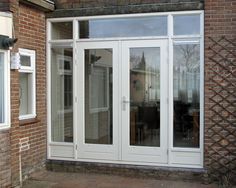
pixel 167 100
pixel 76 147
pixel 167 151
pixel 76 99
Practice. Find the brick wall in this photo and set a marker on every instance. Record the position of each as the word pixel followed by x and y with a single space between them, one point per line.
pixel 5 149
pixel 29 28
pixel 220 79
pixel 65 4
pixel 29 24
pixel 5 165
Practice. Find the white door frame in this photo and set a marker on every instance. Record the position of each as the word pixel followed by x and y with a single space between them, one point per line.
pixel 120 150
pixel 68 151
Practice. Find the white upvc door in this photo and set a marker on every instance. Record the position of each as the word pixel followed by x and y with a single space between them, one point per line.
pixel 122 100
pixel 97 81
pixel 144 101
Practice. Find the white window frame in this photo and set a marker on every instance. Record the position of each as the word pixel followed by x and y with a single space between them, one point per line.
pixel 29 70
pixel 7 122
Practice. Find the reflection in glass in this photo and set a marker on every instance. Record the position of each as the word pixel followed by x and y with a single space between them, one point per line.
pixel 2 86
pixel 61 30
pixel 25 60
pixel 26 94
pixel 145 96
pixel 186 95
pixel 98 96
pixel 186 24
pixel 124 27
pixel 61 94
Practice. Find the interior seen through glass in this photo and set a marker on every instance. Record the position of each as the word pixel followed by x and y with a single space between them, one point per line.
pixel 145 96
pixel 186 92
pixel 98 96
pixel 2 85
pixel 25 93
pixel 62 94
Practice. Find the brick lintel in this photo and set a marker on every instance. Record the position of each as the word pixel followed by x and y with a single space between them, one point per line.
pixel 44 5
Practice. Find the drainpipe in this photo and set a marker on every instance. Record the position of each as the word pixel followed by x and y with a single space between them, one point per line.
pixel 20 168
pixel 23 146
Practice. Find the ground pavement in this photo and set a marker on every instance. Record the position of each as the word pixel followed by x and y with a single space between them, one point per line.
pixel 48 179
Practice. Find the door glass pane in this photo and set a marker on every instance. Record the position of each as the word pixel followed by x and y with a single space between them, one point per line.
pixel 145 96
pixel 186 24
pixel 62 94
pixel 2 85
pixel 186 89
pixel 124 27
pixel 98 96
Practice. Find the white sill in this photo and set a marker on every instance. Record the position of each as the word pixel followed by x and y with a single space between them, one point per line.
pixel 4 127
pixel 28 116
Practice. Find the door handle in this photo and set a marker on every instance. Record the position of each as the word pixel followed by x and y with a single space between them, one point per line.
pixel 124 102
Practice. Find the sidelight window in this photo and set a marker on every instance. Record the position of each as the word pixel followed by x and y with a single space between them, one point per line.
pixel 186 89
pixel 62 94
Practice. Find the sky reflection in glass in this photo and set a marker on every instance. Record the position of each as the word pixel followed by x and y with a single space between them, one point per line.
pixel 186 24
pixel 124 27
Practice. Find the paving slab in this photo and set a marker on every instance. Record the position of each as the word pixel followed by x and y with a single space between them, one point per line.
pixel 48 179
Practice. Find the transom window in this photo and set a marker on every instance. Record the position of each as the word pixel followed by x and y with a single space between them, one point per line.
pixel 124 27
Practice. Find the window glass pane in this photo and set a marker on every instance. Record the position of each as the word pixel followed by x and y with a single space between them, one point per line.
pixel 62 94
pixel 186 84
pixel 124 27
pixel 26 93
pixel 145 96
pixel 98 96
pixel 2 86
pixel 186 24
pixel 62 30
pixel 25 60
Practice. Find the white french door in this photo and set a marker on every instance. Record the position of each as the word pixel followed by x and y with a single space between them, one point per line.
pixel 122 100
pixel 97 100
pixel 144 106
